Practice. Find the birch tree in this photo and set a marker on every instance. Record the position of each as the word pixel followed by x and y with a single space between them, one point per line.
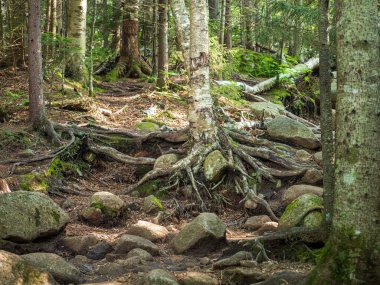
pixel 351 255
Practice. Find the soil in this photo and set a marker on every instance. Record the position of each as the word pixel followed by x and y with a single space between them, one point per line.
pixel 128 102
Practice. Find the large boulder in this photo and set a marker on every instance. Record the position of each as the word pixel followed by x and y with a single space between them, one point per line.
pixel 159 277
pixel 25 216
pixel 267 109
pixel 288 130
pixel 312 176
pixel 165 161
pixel 305 211
pixel 204 231
pixel 214 166
pixel 59 268
pixel 15 270
pixel 148 230
pixel 295 191
pixel 128 242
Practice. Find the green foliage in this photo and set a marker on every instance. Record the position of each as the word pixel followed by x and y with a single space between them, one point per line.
pixel 232 92
pixel 220 66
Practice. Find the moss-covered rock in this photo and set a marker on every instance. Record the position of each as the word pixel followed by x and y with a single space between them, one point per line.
pixel 25 216
pixel 214 166
pixel 147 127
pixel 148 188
pixel 159 277
pixel 152 204
pixel 34 182
pixel 110 204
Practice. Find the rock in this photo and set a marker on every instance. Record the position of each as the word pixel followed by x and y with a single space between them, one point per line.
pixel 159 277
pixel 27 153
pixel 300 213
pixel 128 242
pixel 233 260
pixel 250 204
pixel 248 263
pixel 267 227
pixel 165 161
pixel 152 204
pixel 318 158
pixel 110 204
pixel 59 268
pixel 148 230
pixel 303 155
pixel 312 176
pixel 242 275
pixel 130 262
pixel 267 109
pixel 214 166
pixel 197 278
pixel 15 270
pixel 147 127
pixel 110 269
pixel 68 203
pixel 255 222
pixel 99 250
pixel 82 263
pixel 25 216
pixel 142 254
pixel 295 191
pixel 284 277
pixel 92 215
pixel 206 229
pixel 288 130
pixel 79 244
pixel 205 260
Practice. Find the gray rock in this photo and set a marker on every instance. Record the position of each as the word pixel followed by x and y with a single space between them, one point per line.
pixel 99 250
pixel 142 254
pixel 130 262
pixel 312 176
pixel 267 227
pixel 25 216
pixel 197 278
pixel 159 277
pixel 288 130
pixel 110 269
pixel 128 242
pixel 165 161
pixel 255 222
pixel 148 230
pixel 214 166
pixel 295 191
pixel 82 263
pixel 233 260
pixel 110 204
pixel 284 277
pixel 206 228
pixel 92 215
pixel 58 267
pixel 15 270
pixel 303 155
pixel 267 109
pixel 303 211
pixel 79 244
pixel 242 275
pixel 152 204
pixel 318 158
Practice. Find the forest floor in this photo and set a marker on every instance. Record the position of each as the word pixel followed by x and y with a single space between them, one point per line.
pixel 124 104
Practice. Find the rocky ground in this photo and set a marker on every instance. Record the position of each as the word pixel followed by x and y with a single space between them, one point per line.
pixel 87 232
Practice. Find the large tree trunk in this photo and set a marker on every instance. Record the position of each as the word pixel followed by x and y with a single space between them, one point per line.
pixel 182 26
pixel 326 111
pixel 163 67
pixel 36 101
pixel 201 116
pixel 76 30
pixel 352 254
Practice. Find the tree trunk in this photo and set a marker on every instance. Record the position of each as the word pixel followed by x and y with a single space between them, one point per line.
pixel 1 26
pixel 182 26
pixel 352 254
pixel 76 30
pixel 228 25
pixel 53 22
pixel 59 17
pixel 326 112
pixel 201 116
pixel 105 24
pixel 91 45
pixel 36 101
pixel 162 43
pixel 47 16
pixel 116 34
pixel 222 21
pixel 132 63
pixel 214 9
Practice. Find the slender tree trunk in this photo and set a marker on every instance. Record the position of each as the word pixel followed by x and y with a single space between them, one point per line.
pixel 352 254
pixel 155 40
pixel 77 32
pixel 91 69
pixel 214 9
pixel 116 34
pixel 201 116
pixel 182 26
pixel 1 26
pixel 105 24
pixel 36 101
pixel 47 16
pixel 53 23
pixel 222 21
pixel 326 111
pixel 228 25
pixel 162 43
pixel 59 17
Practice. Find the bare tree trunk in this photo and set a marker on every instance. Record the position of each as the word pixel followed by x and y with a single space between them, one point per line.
pixel 155 40
pixel 222 21
pixel 162 43
pixel 47 16
pixel 105 24
pixel 53 22
pixel 59 17
pixel 214 9
pixel 1 26
pixel 352 256
pixel 182 26
pixel 228 26
pixel 326 112
pixel 36 101
pixel 116 36
pixel 75 67
pixel 91 44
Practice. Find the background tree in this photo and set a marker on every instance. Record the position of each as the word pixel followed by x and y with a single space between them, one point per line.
pixel 163 67
pixel 351 256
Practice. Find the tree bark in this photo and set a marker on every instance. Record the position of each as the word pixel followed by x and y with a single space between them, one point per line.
pixel 214 9
pixel 162 43
pixel 76 30
pixel 116 33
pixel 59 17
pixel 36 101
pixel 228 25
pixel 53 23
pixel 222 21
pixel 47 16
pixel 91 44
pixel 182 26
pixel 352 254
pixel 326 112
